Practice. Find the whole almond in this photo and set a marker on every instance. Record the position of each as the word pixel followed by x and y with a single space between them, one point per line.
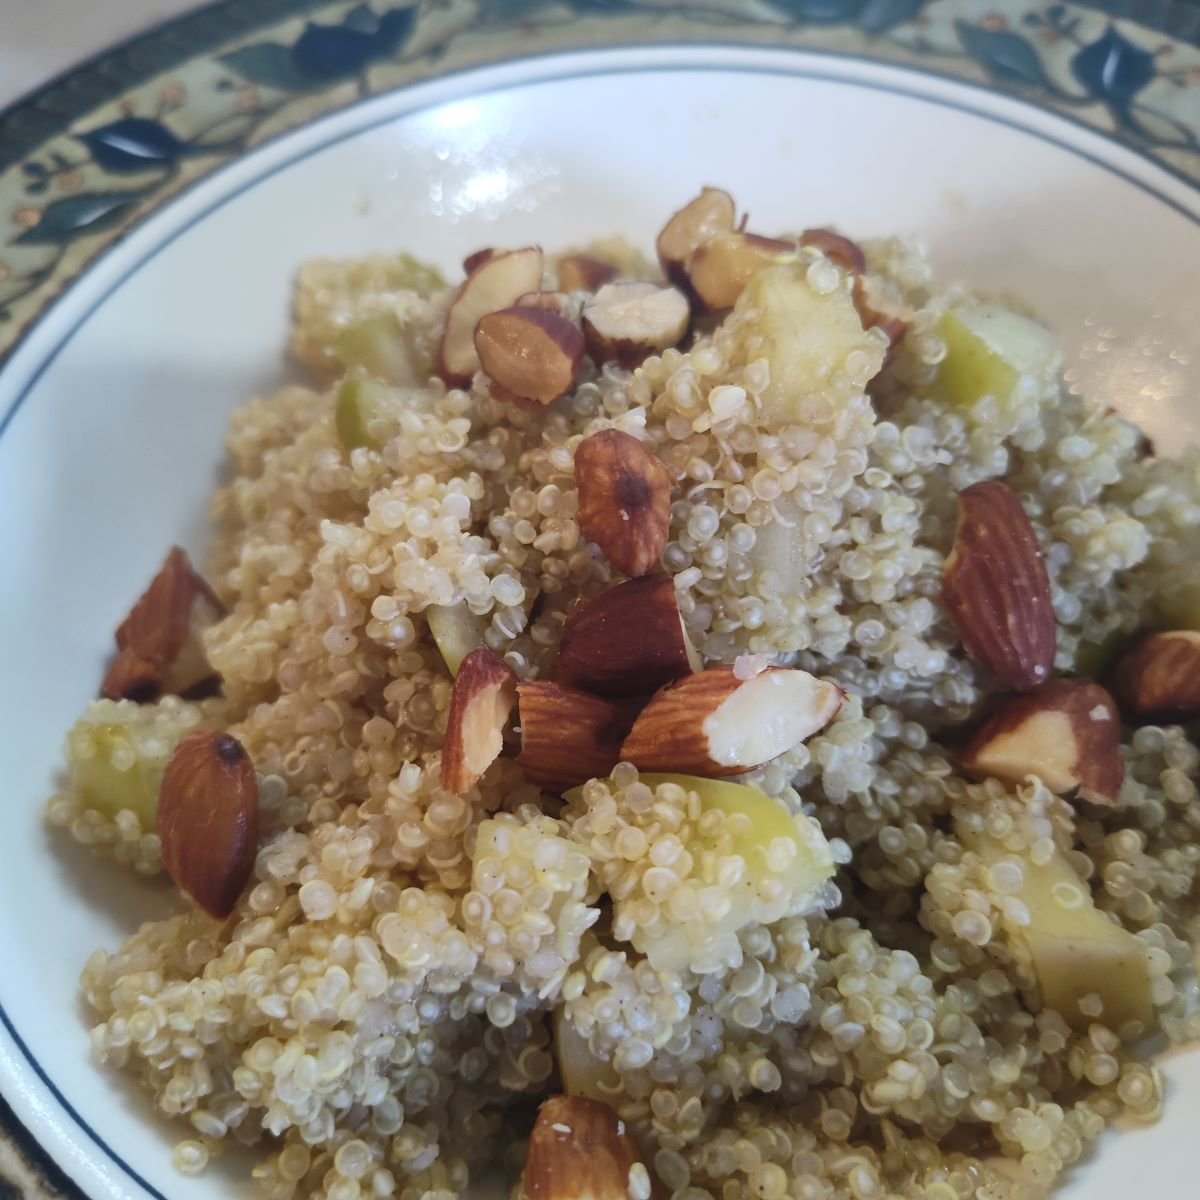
pixel 208 819
pixel 996 590
pixel 580 1150
pixel 485 690
pixel 160 643
pixel 624 500
pixel 1067 733
pixel 531 352
pixel 717 723
pixel 1159 679
pixel 567 736
pixel 629 641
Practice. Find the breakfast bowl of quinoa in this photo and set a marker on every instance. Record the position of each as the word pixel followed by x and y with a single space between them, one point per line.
pixel 682 691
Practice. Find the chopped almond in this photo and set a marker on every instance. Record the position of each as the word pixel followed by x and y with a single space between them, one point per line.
pixel 714 723
pixel 1159 679
pixel 629 641
pixel 1067 733
pixel 207 819
pixel 531 352
pixel 567 736
pixel 494 284
pixel 624 500
pixel 580 1150
pixel 476 259
pixel 583 273
pixel 485 690
pixel 161 642
pixel 625 323
pixel 719 270
pixel 709 215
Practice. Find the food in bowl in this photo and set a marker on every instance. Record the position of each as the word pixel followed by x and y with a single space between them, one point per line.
pixel 738 703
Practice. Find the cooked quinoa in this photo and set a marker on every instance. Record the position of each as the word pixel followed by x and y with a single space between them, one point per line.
pixel 387 1004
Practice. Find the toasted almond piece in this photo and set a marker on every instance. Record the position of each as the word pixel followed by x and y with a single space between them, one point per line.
pixel 721 268
pixel 476 259
pixel 1159 679
pixel 629 641
pixel 714 724
pixel 624 500
pixel 567 736
pixel 583 273
pixel 161 641
pixel 1067 732
pixel 499 392
pixel 558 302
pixel 709 215
pixel 580 1150
pixel 207 819
pixel 494 284
pixel 531 352
pixel 995 587
pixel 837 248
pixel 485 690
pixel 625 323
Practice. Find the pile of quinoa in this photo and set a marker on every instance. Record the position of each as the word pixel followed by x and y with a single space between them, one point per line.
pixel 378 1016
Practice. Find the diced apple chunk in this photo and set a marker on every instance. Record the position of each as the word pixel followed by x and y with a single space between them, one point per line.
pixel 583 1074
pixel 988 349
pixel 813 342
pixel 114 777
pixel 456 632
pixel 382 347
pixel 1075 949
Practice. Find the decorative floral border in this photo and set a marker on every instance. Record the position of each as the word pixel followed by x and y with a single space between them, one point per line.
pixel 87 156
pixel 90 154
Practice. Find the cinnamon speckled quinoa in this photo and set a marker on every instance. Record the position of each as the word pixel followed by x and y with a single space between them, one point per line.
pixel 376 1016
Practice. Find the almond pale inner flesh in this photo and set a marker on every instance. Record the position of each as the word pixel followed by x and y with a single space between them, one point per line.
pixel 1044 744
pixel 483 727
pixel 768 715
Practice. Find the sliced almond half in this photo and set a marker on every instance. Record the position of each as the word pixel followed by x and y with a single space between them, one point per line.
pixel 580 1150
pixel 477 258
pixel 532 352
pixel 207 819
pixel 838 249
pixel 995 587
pixel 567 736
pixel 161 642
pixel 719 270
pixel 625 323
pixel 629 641
pixel 494 284
pixel 714 724
pixel 583 273
pixel 1067 733
pixel 709 215
pixel 624 500
pixel 1159 679
pixel 485 690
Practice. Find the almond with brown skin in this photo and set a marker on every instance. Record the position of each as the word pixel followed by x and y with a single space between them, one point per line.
pixel 995 587
pixel 477 258
pixel 494 284
pixel 580 1150
pixel 719 270
pixel 715 723
pixel 161 642
pixel 485 690
pixel 1159 679
pixel 838 249
pixel 567 736
pixel 627 322
pixel 208 819
pixel 624 500
pixel 629 641
pixel 1067 733
pixel 583 273
pixel 532 352
pixel 709 215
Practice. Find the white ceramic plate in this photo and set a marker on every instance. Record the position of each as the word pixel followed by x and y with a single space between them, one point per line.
pixel 114 408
